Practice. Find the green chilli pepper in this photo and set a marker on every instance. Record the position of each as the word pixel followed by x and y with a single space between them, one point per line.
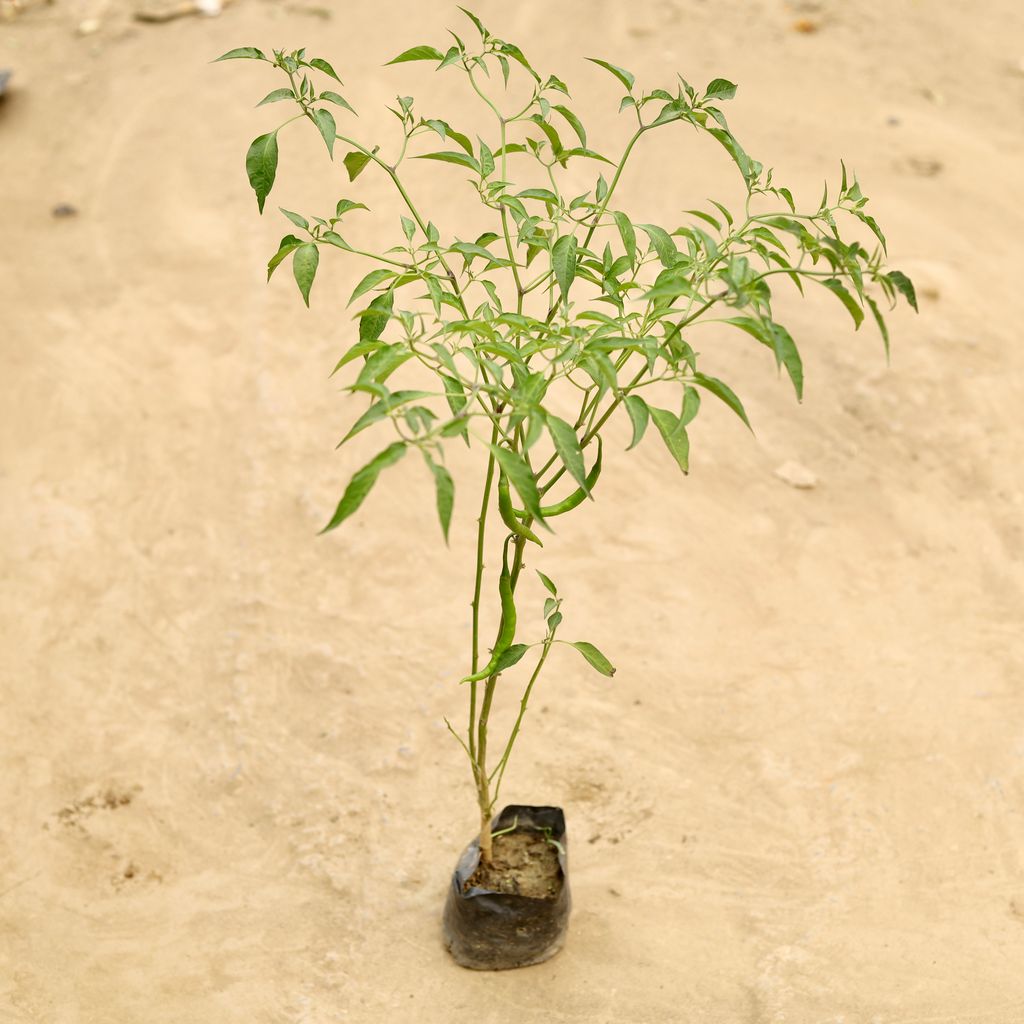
pixel 506 634
pixel 574 499
pixel 508 513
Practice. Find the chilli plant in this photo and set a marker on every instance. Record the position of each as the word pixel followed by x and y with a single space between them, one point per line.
pixel 565 303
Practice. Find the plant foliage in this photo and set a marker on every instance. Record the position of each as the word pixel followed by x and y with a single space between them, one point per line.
pixel 565 299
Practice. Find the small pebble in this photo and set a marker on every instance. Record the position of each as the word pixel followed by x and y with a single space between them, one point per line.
pixel 796 476
pixel 64 210
pixel 89 27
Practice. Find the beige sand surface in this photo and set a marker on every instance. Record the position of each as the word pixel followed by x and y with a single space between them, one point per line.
pixel 226 791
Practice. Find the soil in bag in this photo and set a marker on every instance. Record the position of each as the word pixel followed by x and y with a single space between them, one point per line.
pixel 515 911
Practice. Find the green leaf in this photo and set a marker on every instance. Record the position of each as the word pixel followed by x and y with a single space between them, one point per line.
pixel 371 281
pixel 735 150
pixel 288 245
pixel 574 123
pixel 380 409
pixel 624 76
pixel 446 131
pixel 521 478
pixel 452 157
pixel 335 239
pixel 333 97
pixel 486 159
pixel 261 166
pixel 904 286
pixel 568 447
pixel 511 657
pixel 722 390
pixel 240 53
pixel 297 219
pixel 880 320
pixel 720 89
pixel 674 435
pixel 551 588
pixel 640 416
pixel 276 96
pixel 376 316
pixel 778 339
pixel 304 264
pixel 381 364
pixel 328 129
pixel 417 53
pixel 355 162
pixel 538 193
pixel 322 65
pixel 445 488
pixel 839 290
pixel 627 233
pixel 563 262
pixel 691 405
pixel 362 483
pixel 594 657
pixel 566 154
pixel 345 205
pixel 476 21
pixel 662 243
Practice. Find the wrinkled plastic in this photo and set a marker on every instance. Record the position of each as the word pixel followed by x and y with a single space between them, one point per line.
pixel 493 931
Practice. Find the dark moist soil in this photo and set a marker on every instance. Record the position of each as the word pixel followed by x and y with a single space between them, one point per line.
pixel 525 864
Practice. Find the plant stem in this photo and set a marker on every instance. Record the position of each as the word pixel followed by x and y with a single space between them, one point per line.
pixel 499 770
pixel 477 588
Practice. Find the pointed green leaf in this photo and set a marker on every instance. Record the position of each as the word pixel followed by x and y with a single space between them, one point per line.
pixel 452 157
pixel 328 129
pixel 563 262
pixel 322 65
pixel 904 286
pixel 662 243
pixel 417 53
pixel 297 219
pixel 568 447
pixel 640 416
pixel 304 264
pixel 241 53
pixel 345 205
pixel 720 89
pixel 880 320
pixel 574 123
pixel 627 233
pixel 355 162
pixel 276 96
pixel 624 76
pixel 476 21
pixel 838 289
pixel 674 435
pixel 380 409
pixel 722 390
pixel 551 588
pixel 362 483
pixel 382 363
pixel 445 488
pixel 288 245
pixel 371 281
pixel 261 166
pixel 511 657
pixel 333 97
pixel 376 316
pixel 594 657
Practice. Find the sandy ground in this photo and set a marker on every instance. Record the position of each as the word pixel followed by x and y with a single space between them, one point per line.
pixel 226 792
